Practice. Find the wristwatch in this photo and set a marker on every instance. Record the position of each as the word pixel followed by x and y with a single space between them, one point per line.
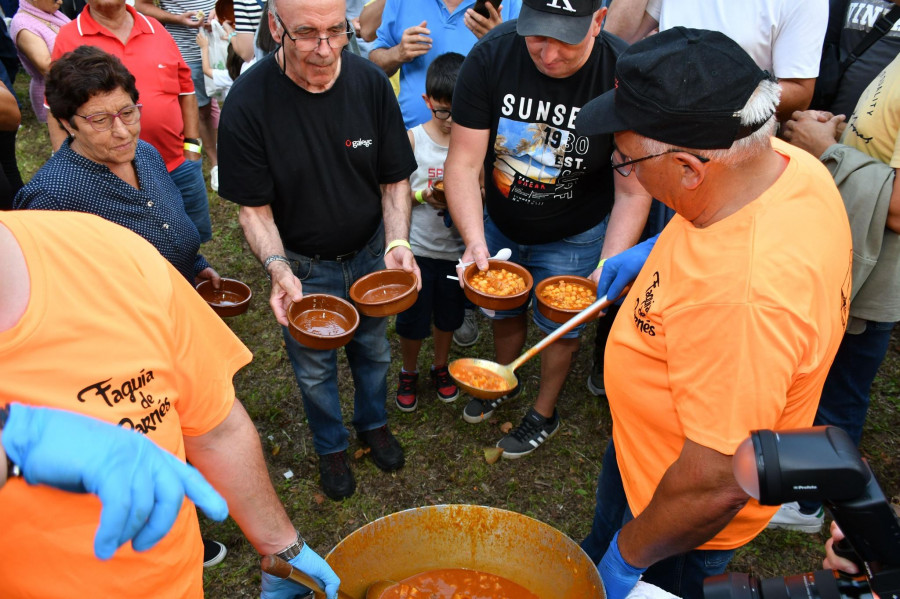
pixel 292 550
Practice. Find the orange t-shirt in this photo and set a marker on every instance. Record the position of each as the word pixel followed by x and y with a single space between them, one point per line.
pixel 730 328
pixel 140 349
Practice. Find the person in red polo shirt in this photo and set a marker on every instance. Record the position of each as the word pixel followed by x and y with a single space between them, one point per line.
pixel 169 120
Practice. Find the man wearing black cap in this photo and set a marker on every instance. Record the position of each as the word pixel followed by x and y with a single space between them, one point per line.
pixel 547 191
pixel 733 319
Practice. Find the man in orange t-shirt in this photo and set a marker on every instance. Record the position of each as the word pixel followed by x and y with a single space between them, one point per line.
pixel 734 318
pixel 93 320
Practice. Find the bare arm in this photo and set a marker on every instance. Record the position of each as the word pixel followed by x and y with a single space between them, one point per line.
pixel 242 44
pixel 629 20
pixel 627 219
pixel 796 94
pixel 893 217
pixel 370 20
pixel 264 240
pixel 414 43
pixel 230 457
pixel 396 207
pixel 10 117
pixel 203 43
pixel 696 498
pixel 150 9
pixel 35 49
pixel 190 115
pixel 463 190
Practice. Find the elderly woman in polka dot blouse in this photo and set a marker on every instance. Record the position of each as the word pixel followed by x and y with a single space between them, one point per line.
pixel 103 168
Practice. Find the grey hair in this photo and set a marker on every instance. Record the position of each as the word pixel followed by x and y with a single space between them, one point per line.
pixel 761 104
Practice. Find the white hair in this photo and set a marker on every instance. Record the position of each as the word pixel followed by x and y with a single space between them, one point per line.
pixel 761 105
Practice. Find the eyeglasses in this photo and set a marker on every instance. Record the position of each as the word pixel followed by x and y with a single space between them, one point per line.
pixel 441 114
pixel 103 121
pixel 626 167
pixel 308 43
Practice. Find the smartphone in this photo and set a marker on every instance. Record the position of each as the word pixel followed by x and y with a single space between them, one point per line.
pixel 481 9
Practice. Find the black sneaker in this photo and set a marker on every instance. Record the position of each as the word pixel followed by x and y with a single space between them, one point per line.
pixel 479 410
pixel 386 451
pixel 529 435
pixel 446 389
pixel 213 552
pixel 335 475
pixel 406 391
pixel 595 380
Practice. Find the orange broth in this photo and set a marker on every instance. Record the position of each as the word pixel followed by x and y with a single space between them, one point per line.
pixel 478 377
pixel 457 583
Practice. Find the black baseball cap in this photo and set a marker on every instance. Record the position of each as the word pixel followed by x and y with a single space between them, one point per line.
pixel 565 20
pixel 684 87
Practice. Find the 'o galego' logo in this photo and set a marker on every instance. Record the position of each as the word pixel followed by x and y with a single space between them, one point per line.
pixel 358 142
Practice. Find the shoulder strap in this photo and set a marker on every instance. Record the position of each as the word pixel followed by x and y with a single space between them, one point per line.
pixel 879 29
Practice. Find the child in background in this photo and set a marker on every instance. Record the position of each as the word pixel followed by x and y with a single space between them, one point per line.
pixel 436 247
pixel 234 64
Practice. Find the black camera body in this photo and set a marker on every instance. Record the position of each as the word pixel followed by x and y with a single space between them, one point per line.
pixel 819 463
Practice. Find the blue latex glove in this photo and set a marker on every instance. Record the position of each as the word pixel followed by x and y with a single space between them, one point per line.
pixel 618 576
pixel 620 270
pixel 141 485
pixel 308 562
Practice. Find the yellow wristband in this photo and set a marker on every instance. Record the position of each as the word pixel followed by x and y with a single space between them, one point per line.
pixel 601 263
pixel 419 197
pixel 397 243
pixel 192 148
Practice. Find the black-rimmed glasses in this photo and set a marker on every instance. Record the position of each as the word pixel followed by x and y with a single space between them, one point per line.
pixel 441 114
pixel 626 167
pixel 309 43
pixel 103 121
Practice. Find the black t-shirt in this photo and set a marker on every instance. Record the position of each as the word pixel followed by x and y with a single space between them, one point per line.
pixel 318 159
pixel 542 182
pixel 858 20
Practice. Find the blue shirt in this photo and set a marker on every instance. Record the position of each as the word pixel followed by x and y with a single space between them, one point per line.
pixel 448 34
pixel 69 181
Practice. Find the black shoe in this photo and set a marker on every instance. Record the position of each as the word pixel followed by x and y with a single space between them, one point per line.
pixel 213 552
pixel 479 410
pixel 335 475
pixel 386 451
pixel 529 435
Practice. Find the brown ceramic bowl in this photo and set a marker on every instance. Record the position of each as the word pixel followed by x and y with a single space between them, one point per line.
pixel 555 313
pixel 437 191
pixel 321 321
pixel 232 299
pixel 497 302
pixel 384 292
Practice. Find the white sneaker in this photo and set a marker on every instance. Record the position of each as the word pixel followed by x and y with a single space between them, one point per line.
pixel 790 517
pixel 214 178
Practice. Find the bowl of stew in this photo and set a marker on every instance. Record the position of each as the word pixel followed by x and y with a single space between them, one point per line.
pixel 231 299
pixel 321 321
pixel 503 286
pixel 384 292
pixel 561 297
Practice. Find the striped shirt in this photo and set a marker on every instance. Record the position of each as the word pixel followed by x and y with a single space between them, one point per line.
pixel 247 14
pixel 186 37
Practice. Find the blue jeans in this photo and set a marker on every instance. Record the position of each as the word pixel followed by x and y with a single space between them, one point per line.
pixel 368 353
pixel 188 178
pixel 199 83
pixel 681 574
pixel 574 255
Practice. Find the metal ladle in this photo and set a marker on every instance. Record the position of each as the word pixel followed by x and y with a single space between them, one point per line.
pixel 276 566
pixel 507 372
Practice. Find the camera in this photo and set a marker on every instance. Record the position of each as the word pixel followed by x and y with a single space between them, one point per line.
pixel 819 463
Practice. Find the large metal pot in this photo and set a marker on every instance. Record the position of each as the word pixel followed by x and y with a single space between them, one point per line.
pixel 526 551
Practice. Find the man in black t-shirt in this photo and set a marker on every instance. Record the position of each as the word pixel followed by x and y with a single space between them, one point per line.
pixel 322 180
pixel 547 190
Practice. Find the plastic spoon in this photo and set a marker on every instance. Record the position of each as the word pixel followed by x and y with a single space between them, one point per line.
pixel 503 254
pixel 507 372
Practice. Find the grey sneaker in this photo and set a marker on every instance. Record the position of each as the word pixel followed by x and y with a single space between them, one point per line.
pixel 479 410
pixel 529 435
pixel 790 517
pixel 595 381
pixel 467 334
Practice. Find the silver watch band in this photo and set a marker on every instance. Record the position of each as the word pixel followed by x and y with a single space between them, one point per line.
pixel 292 550
pixel 274 258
